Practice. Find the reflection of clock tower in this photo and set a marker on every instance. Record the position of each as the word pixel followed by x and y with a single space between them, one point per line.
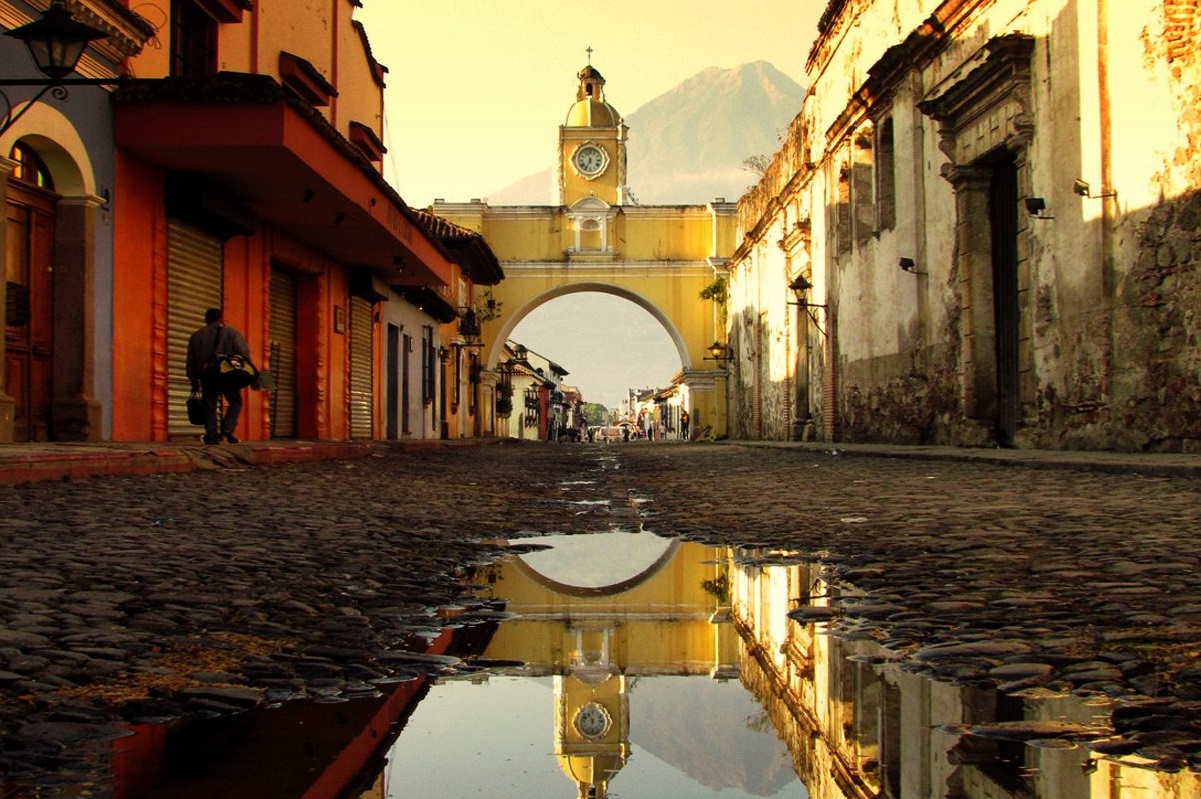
pixel 592 146
pixel 592 714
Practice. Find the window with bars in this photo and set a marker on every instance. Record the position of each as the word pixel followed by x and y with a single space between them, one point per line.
pixel 886 190
pixel 429 360
pixel 193 40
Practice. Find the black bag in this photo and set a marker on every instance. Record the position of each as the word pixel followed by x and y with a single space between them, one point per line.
pixel 234 370
pixel 263 381
pixel 196 409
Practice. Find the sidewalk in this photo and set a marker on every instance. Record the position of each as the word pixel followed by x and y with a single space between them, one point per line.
pixel 21 463
pixel 1155 464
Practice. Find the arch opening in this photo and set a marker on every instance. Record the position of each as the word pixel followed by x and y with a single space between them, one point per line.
pixel 612 330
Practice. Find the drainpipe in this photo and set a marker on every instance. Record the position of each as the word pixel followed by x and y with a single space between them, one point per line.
pixel 1109 206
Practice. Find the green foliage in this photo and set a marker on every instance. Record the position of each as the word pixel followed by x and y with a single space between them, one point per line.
pixel 719 587
pixel 716 291
pixel 487 307
pixel 757 164
pixel 594 413
pixel 504 398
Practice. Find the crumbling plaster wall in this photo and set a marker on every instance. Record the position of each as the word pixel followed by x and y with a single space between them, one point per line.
pixel 1157 315
pixel 1108 283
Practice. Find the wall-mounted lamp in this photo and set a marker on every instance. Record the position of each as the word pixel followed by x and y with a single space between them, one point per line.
pixel 800 287
pixel 1035 207
pixel 719 352
pixel 908 265
pixel 469 326
pixel 1084 190
pixel 56 42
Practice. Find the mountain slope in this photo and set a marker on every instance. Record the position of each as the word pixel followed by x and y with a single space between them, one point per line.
pixel 688 144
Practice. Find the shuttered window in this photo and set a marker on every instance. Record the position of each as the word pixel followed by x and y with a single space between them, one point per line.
pixel 194 275
pixel 283 354
pixel 361 384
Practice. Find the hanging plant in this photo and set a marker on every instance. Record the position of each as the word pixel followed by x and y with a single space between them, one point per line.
pixel 487 307
pixel 504 399
pixel 716 291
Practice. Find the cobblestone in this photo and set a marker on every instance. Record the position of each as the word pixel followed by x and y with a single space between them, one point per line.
pixel 130 598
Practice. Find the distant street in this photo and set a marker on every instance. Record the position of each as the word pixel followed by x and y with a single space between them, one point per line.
pixel 144 590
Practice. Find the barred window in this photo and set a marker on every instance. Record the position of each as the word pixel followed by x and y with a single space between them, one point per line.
pixel 193 40
pixel 886 187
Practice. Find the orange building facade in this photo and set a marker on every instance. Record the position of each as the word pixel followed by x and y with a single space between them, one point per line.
pixel 243 171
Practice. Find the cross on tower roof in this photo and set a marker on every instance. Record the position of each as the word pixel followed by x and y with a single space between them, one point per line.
pixel 589 52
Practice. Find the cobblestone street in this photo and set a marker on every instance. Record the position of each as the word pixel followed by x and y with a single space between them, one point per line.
pixel 128 598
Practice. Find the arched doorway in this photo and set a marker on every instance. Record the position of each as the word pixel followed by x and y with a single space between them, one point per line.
pixel 29 216
pixel 51 242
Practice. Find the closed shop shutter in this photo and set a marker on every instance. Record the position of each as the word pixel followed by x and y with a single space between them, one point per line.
pixel 194 275
pixel 283 354
pixel 360 368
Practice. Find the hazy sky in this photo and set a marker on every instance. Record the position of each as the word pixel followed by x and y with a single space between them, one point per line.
pixel 477 89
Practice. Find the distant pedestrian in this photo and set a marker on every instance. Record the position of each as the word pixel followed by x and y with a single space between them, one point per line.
pixel 684 419
pixel 661 431
pixel 206 344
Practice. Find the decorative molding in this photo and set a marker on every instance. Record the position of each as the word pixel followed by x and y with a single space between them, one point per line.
pixel 997 86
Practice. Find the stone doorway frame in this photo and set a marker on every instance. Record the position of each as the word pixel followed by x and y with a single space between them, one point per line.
pixel 984 111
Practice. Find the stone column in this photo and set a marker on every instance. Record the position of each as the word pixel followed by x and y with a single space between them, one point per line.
pixel 977 334
pixel 74 415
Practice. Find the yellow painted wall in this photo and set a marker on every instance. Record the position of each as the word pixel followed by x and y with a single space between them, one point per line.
pixel 526 238
pixel 685 233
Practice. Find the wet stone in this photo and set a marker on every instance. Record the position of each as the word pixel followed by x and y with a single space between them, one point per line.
pixel 1021 671
pixel 21 639
pixel 359 571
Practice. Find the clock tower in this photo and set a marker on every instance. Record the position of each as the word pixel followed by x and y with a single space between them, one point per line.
pixel 592 146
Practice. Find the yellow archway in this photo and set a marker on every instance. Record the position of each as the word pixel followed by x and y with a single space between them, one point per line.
pixel 509 322
pixel 659 257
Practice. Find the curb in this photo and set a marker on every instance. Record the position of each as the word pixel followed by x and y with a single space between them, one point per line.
pixel 1142 463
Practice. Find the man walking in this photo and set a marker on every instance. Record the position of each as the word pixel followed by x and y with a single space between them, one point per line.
pixel 203 347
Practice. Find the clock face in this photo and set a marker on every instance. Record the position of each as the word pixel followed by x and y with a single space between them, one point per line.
pixel 590 160
pixel 592 720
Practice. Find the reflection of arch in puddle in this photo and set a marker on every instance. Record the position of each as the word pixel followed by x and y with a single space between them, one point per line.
pixel 600 564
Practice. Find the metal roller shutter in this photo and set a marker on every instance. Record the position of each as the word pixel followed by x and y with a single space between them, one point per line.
pixel 283 354
pixel 194 275
pixel 361 393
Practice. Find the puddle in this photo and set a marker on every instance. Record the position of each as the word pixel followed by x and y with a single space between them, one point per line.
pixel 627 665
pixel 655 736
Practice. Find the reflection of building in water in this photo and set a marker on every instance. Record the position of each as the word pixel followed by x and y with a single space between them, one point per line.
pixel 858 727
pixel 597 634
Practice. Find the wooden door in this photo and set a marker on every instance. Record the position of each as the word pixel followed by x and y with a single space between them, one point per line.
pixel 1003 203
pixel 29 308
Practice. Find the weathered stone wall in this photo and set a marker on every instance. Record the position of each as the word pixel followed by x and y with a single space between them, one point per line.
pixel 897 400
pixel 1097 106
